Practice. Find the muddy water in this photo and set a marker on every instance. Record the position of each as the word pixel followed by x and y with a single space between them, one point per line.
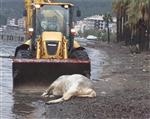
pixel 31 106
pixel 6 98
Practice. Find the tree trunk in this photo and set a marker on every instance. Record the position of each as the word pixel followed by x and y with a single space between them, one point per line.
pixel 118 37
pixel 120 28
pixel 108 33
pixel 147 37
pixel 143 38
pixel 127 32
pixel 124 26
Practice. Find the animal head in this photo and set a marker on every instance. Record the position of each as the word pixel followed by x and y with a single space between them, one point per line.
pixel 48 92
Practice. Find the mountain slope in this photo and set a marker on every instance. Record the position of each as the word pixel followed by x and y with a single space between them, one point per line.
pixel 14 8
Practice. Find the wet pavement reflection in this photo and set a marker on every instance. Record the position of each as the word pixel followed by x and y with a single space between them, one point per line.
pixel 31 106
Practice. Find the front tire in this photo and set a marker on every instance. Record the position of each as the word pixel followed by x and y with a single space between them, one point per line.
pixel 79 54
pixel 23 54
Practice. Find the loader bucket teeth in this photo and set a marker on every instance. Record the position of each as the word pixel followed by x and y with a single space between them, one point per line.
pixel 35 74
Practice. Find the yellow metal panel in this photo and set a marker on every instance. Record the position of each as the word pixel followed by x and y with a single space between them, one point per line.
pixel 38 52
pixel 28 42
pixel 53 3
pixel 76 44
pixel 54 36
pixel 61 52
pixel 65 49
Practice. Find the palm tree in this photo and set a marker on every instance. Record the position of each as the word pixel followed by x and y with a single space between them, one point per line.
pixel 108 18
pixel 139 20
pixel 146 18
pixel 117 9
pixel 120 8
pixel 134 16
pixel 126 31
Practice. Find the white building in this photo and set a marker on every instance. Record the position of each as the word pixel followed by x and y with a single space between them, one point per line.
pixel 3 27
pixel 80 26
pixel 11 21
pixel 95 22
pixel 21 22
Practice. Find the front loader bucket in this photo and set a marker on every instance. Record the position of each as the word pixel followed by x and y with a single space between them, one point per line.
pixel 33 74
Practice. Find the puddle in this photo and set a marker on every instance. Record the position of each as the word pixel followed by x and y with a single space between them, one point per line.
pixel 23 106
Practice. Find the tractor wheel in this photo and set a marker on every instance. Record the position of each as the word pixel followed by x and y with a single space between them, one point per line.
pixel 23 54
pixel 79 54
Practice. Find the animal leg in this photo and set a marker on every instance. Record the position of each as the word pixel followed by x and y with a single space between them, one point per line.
pixel 52 96
pixel 66 96
pixel 55 101
pixel 71 92
pixel 87 93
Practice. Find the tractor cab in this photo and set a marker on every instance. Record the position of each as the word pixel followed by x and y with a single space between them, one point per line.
pixel 53 19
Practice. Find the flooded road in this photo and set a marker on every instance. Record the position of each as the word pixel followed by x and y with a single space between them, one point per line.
pixel 123 89
pixel 6 99
pixel 31 106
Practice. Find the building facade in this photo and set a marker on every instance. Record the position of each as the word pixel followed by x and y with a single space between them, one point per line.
pixel 11 21
pixel 95 22
pixel 21 22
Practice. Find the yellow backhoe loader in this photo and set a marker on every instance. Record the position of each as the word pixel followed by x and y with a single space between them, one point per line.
pixel 50 50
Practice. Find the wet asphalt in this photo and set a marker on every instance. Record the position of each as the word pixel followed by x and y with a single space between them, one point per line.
pixel 122 93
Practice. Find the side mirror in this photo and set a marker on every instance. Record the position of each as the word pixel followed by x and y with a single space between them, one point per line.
pixel 78 13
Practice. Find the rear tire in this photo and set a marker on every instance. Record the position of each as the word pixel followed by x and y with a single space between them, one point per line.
pixel 23 54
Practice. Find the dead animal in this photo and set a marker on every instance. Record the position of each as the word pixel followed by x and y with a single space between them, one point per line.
pixel 68 86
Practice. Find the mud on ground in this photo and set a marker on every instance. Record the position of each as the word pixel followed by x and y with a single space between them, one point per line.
pixel 126 84
pixel 123 90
